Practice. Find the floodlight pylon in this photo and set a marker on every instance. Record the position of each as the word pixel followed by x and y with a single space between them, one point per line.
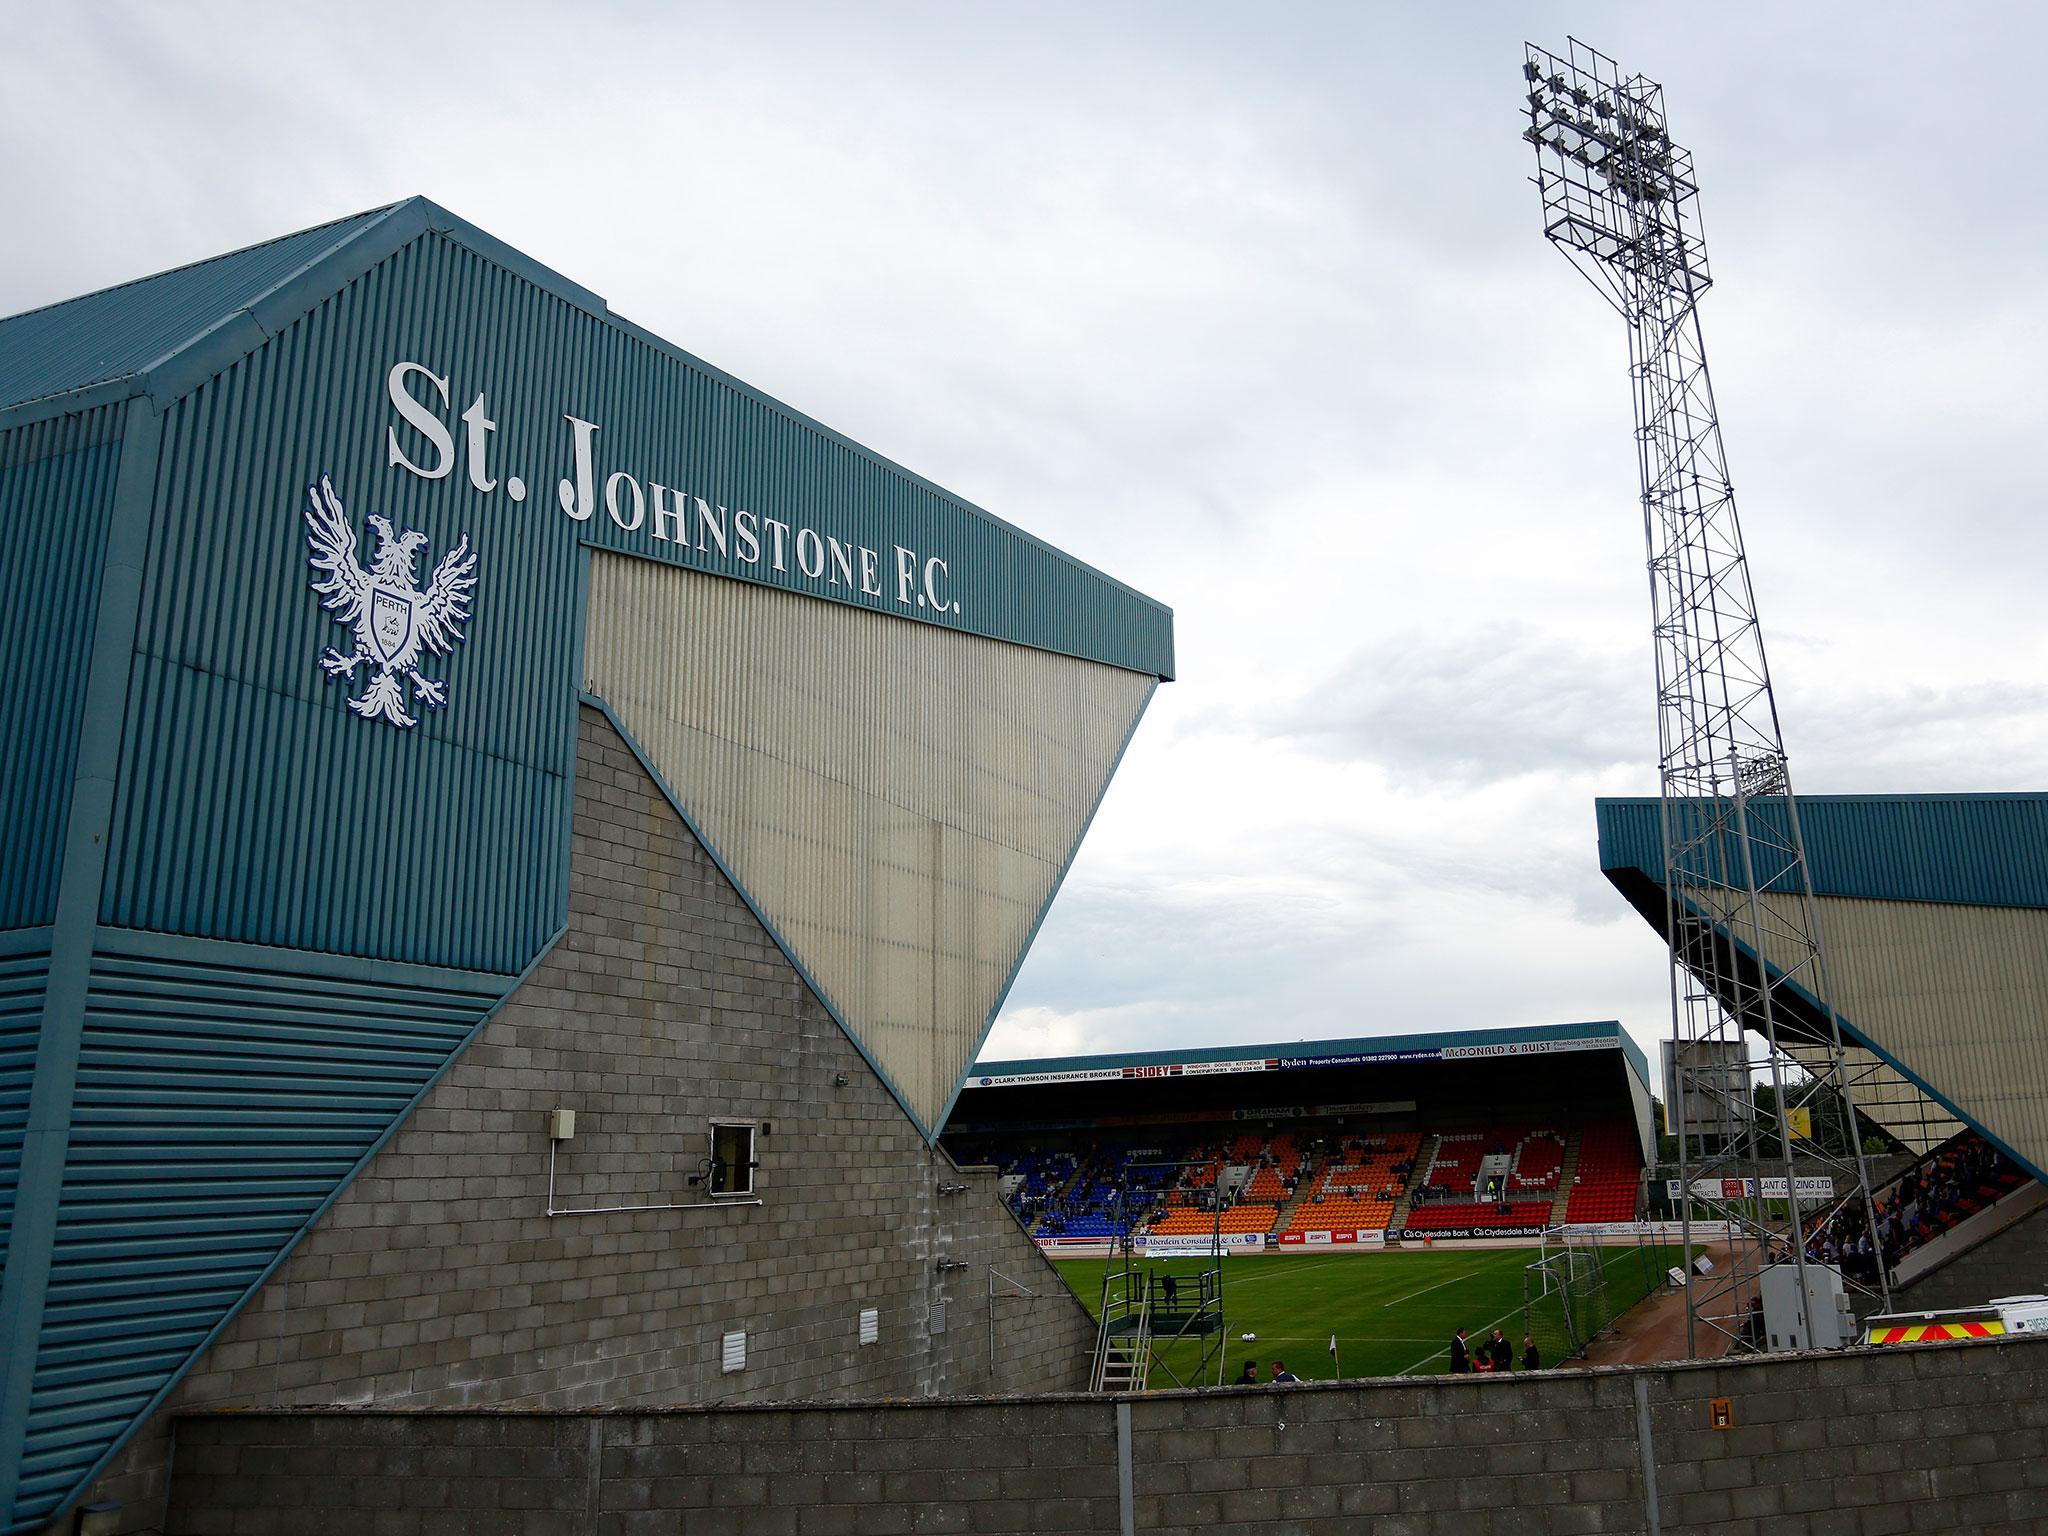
pixel 1620 200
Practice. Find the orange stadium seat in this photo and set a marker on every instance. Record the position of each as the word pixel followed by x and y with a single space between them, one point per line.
pixel 1360 1191
pixel 1236 1218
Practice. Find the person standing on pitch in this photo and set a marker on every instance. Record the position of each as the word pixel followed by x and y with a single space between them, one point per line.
pixel 1502 1352
pixel 1250 1378
pixel 1171 1288
pixel 1461 1357
pixel 1281 1375
pixel 1531 1360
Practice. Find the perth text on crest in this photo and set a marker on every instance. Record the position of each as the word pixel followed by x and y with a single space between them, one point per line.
pixel 392 619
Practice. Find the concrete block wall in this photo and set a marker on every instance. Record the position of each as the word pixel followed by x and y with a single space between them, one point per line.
pixel 1861 1443
pixel 439 1279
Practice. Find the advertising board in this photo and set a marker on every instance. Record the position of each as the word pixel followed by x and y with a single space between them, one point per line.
pixel 1203 1244
pixel 1811 1187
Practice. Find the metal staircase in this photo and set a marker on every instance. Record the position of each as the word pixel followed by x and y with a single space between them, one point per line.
pixel 1425 1154
pixel 1306 1176
pixel 1123 1345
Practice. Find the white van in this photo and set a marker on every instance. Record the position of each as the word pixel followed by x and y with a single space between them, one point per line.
pixel 1994 1319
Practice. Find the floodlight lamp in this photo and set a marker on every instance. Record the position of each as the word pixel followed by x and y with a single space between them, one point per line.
pixel 1579 95
pixel 1604 107
pixel 1530 72
pixel 1557 82
pixel 1536 99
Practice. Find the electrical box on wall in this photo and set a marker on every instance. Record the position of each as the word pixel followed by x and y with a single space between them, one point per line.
pixel 561 1125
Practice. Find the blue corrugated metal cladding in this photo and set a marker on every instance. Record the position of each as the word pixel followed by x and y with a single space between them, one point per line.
pixel 56 488
pixel 24 963
pixel 224 1094
pixel 120 331
pixel 254 806
pixel 290 914
pixel 1975 850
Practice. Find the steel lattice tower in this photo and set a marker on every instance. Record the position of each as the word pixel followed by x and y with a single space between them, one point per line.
pixel 1620 200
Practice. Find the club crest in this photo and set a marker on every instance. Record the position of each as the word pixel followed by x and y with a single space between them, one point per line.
pixel 393 620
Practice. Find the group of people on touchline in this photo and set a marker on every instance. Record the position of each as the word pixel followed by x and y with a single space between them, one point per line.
pixel 1493 1354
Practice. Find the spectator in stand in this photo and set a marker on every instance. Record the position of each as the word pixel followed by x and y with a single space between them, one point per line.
pixel 1531 1360
pixel 1461 1357
pixel 1250 1376
pixel 1283 1376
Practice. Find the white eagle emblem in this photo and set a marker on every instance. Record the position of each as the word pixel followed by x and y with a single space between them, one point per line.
pixel 392 618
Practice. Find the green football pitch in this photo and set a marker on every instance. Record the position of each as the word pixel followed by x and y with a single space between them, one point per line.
pixel 1393 1313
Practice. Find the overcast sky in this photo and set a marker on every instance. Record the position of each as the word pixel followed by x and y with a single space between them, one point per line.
pixel 1247 305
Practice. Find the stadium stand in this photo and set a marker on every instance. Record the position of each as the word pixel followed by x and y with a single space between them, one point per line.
pixel 1951 1184
pixel 1305 1182
pixel 1609 1172
pixel 1453 1174
pixel 1235 1218
pixel 1314 1178
pixel 1278 1166
pixel 1362 1181
pixel 1318 1142
pixel 1440 1215
pixel 1538 1162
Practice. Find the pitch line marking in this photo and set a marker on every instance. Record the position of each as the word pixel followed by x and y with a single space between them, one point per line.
pixel 1299 1267
pixel 1324 1338
pixel 1428 1288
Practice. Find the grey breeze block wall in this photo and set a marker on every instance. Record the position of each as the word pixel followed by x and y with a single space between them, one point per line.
pixel 1860 1443
pixel 438 1279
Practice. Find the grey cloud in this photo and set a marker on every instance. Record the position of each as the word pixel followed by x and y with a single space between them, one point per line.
pixel 1479 703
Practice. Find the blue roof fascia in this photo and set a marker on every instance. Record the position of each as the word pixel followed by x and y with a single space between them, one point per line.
pixel 1375 1044
pixel 58 350
pixel 70 402
pixel 491 248
pixel 641 334
pixel 1952 849
pixel 233 337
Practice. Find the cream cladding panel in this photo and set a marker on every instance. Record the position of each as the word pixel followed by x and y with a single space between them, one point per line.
pixel 1955 994
pixel 898 798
